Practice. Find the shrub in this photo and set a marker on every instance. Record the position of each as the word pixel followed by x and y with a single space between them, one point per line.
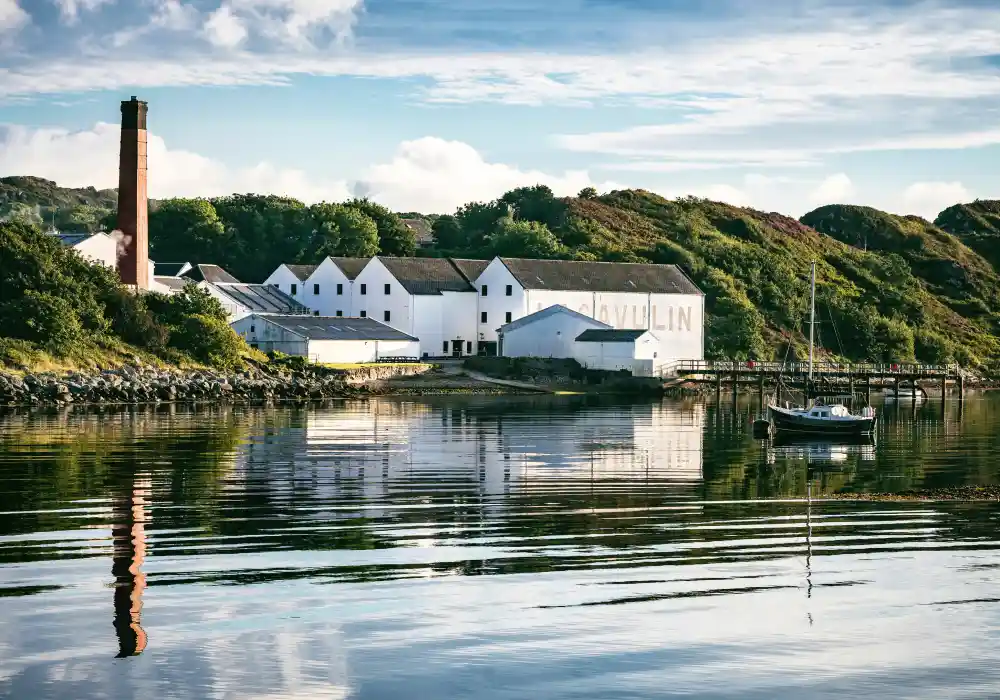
pixel 209 340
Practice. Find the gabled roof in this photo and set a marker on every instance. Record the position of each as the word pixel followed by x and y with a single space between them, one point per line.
pixel 421 230
pixel 261 298
pixel 165 269
pixel 335 327
pixel 210 273
pixel 546 313
pixel 175 283
pixel 472 269
pixel 610 335
pixel 351 267
pixel 303 272
pixel 427 275
pixel 586 276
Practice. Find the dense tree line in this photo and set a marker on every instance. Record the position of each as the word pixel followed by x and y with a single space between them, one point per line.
pixel 250 235
pixel 53 300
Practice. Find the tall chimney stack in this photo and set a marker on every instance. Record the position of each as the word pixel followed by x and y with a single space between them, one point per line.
pixel 133 214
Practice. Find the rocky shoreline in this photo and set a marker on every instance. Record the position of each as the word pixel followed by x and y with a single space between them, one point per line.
pixel 138 384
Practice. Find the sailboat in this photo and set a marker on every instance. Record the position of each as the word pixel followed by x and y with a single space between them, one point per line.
pixel 816 418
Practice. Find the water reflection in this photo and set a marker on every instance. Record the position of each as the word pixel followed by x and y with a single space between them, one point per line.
pixel 524 548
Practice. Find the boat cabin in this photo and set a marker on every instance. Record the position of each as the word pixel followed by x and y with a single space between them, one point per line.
pixel 829 412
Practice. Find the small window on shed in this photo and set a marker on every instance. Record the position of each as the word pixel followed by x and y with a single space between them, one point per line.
pixel 364 314
pixel 315 289
pixel 510 290
pixel 340 289
pixel 485 290
pixel 386 316
pixel 387 287
pixel 482 317
pixel 364 289
pixel 339 312
pixel 508 316
pixel 253 328
pixel 316 312
pixel 295 289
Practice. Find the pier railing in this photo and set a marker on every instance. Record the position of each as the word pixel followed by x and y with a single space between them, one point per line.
pixel 683 368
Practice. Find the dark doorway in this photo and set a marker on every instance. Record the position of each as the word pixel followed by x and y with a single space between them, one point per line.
pixel 488 349
pixel 456 348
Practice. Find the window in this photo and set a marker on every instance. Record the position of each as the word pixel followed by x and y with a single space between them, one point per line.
pixel 339 312
pixel 315 289
pixel 482 317
pixel 388 288
pixel 444 346
pixel 468 346
pixel 364 314
pixel 253 328
pixel 295 289
pixel 364 289
pixel 316 312
pixel 510 290
pixel 340 290
pixel 485 289
pixel 508 317
pixel 385 315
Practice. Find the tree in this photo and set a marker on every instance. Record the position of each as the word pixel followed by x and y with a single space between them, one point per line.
pixel 188 230
pixel 80 218
pixel 448 234
pixel 587 193
pixel 394 237
pixel 265 231
pixel 535 203
pixel 479 221
pixel 22 213
pixel 209 340
pixel 342 231
pixel 525 239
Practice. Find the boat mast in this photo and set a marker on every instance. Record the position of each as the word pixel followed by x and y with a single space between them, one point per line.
pixel 812 319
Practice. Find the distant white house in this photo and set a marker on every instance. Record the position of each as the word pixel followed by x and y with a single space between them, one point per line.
pixel 551 332
pixel 95 247
pixel 637 351
pixel 326 288
pixel 327 339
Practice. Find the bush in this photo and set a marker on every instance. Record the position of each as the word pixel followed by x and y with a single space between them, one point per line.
pixel 933 348
pixel 209 340
pixel 43 319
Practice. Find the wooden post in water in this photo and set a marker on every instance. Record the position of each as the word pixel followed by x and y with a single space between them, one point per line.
pixel 961 388
pixel 736 388
pixel 895 388
pixel 868 389
pixel 760 392
pixel 718 387
pixel 913 390
pixel 944 391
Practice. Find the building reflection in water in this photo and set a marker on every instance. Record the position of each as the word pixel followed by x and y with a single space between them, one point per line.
pixel 129 551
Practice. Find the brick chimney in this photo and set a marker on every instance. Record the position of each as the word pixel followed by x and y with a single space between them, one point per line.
pixel 133 219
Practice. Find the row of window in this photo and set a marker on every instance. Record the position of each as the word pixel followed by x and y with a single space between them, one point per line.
pixel 485 290
pixel 387 288
pixel 483 317
pixel 457 345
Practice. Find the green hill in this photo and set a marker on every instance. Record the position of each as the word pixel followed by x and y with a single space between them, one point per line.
pixel 42 202
pixel 976 224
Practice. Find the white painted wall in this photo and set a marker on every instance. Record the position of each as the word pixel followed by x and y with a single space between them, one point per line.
pixel 496 304
pixel 553 336
pixel 102 249
pixel 459 321
pixel 350 351
pixel 639 357
pixel 328 302
pixel 375 302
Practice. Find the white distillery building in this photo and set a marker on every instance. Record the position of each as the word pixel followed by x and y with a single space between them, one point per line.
pixel 658 298
pixel 432 299
pixel 637 351
pixel 551 332
pixel 93 247
pixel 325 338
pixel 326 289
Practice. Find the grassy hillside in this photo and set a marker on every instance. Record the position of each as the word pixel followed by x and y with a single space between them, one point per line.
pixel 42 202
pixel 977 225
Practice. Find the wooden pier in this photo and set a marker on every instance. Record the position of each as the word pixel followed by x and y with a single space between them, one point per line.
pixel 828 378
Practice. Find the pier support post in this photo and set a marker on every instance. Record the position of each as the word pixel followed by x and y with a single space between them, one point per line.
pixel 944 392
pixel 736 389
pixel 961 388
pixel 868 389
pixel 760 393
pixel 895 388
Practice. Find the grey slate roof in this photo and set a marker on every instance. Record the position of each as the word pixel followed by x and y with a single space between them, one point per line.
pixel 610 335
pixel 351 267
pixel 210 273
pixel 72 239
pixel 302 271
pixel 471 268
pixel 574 275
pixel 546 313
pixel 421 230
pixel 336 327
pixel 176 283
pixel 262 298
pixel 165 269
pixel 427 275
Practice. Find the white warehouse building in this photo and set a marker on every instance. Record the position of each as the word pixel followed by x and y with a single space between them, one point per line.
pixel 326 339
pixel 551 332
pixel 325 289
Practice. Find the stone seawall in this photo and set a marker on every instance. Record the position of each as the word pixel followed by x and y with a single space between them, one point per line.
pixel 143 385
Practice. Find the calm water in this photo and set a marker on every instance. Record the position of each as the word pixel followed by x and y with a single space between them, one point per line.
pixel 492 548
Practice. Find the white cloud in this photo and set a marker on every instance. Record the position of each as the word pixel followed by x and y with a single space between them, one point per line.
pixel 12 17
pixel 836 189
pixel 428 174
pixel 223 28
pixel 928 199
pixel 70 10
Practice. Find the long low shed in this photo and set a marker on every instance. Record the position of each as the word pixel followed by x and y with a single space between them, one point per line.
pixel 329 339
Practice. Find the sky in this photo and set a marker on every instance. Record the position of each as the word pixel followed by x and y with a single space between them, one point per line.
pixel 423 105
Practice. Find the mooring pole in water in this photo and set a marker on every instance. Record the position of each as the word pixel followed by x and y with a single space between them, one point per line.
pixel 760 391
pixel 868 389
pixel 913 389
pixel 944 392
pixel 961 388
pixel 736 388
pixel 895 388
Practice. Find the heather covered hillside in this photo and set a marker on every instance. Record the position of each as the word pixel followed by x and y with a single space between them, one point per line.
pixel 34 200
pixel 976 224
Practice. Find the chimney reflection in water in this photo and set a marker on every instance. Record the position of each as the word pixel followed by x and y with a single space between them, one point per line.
pixel 129 543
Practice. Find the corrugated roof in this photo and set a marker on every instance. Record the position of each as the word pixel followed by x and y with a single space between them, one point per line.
pixel 471 268
pixel 303 272
pixel 611 335
pixel 210 273
pixel 546 313
pixel 351 267
pixel 261 298
pixel 574 275
pixel 336 327
pixel 73 239
pixel 165 269
pixel 427 275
